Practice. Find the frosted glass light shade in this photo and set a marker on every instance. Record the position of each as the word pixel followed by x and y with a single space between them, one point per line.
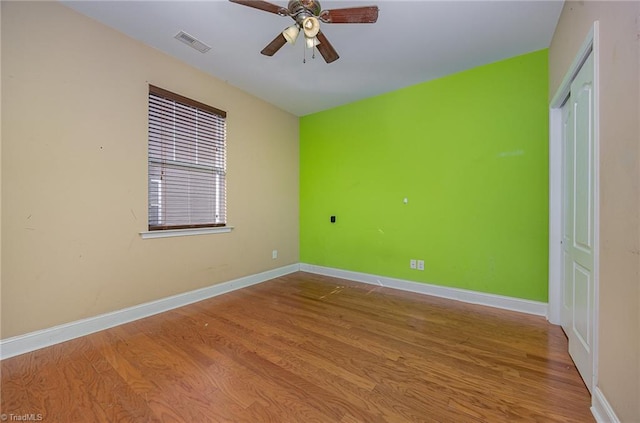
pixel 310 26
pixel 291 33
pixel 311 42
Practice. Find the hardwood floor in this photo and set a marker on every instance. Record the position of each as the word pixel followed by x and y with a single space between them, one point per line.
pixel 306 348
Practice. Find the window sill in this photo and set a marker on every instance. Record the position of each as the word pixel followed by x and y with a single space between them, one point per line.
pixel 185 232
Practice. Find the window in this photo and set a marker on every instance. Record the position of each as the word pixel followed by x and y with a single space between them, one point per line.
pixel 187 163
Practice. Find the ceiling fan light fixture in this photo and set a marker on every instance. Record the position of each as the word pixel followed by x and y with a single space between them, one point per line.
pixel 291 34
pixel 307 15
pixel 310 26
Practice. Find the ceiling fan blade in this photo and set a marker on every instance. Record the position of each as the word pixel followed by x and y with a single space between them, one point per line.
pixel 263 5
pixel 274 45
pixel 326 49
pixel 366 14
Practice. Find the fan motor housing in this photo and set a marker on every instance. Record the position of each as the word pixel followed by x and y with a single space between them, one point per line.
pixel 299 6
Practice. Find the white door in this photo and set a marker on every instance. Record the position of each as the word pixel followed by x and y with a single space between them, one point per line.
pixel 578 220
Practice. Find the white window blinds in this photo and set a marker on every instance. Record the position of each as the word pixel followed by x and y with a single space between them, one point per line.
pixel 187 162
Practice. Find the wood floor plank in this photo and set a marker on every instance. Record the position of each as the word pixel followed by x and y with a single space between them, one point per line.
pixel 307 348
pixel 232 353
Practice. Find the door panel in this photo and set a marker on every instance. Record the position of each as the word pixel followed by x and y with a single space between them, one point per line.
pixel 582 305
pixel 567 212
pixel 578 211
pixel 583 203
pixel 567 292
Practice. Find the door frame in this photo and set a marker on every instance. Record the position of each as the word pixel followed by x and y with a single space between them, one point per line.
pixel 590 45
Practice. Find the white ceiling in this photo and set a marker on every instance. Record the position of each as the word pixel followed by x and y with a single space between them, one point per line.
pixel 412 42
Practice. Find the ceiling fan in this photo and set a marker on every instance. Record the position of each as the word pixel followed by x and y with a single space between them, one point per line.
pixel 307 15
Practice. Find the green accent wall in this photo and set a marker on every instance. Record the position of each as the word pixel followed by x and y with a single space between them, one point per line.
pixel 468 151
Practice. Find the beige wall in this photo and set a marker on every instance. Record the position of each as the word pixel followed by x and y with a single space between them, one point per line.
pixel 74 182
pixel 619 325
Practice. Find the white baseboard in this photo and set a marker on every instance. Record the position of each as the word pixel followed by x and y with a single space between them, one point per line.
pixel 508 303
pixel 21 344
pixel 601 409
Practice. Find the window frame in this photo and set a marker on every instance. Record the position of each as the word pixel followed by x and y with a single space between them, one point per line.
pixel 218 194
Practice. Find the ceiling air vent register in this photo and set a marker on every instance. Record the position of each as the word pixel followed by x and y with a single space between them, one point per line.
pixel 192 42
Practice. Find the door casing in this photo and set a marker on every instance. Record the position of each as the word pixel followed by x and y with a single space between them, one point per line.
pixel 589 46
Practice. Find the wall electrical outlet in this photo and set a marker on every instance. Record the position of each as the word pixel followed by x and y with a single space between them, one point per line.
pixel 274 254
pixel 412 264
pixel 420 264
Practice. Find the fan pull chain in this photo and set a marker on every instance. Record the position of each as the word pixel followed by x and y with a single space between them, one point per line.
pixel 313 53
